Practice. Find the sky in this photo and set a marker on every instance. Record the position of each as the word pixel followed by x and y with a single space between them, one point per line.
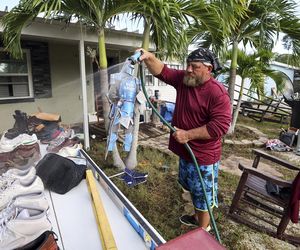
pixel 127 24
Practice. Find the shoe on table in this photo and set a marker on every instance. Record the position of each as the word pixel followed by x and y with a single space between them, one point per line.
pixel 46 241
pixel 35 202
pixel 25 176
pixel 22 227
pixel 16 188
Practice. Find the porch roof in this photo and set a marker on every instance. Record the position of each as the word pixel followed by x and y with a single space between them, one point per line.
pixel 43 29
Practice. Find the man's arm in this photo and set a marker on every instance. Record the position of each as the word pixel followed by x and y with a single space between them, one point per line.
pixel 183 136
pixel 215 128
pixel 154 65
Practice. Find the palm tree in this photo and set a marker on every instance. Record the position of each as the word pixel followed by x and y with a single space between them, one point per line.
pixel 254 67
pixel 95 14
pixel 168 23
pixel 264 20
pixel 257 27
pixel 164 23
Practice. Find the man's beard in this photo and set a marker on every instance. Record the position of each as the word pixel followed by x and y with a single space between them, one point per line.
pixel 192 81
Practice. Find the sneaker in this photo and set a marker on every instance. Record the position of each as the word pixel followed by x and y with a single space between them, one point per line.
pixel 25 155
pixel 25 176
pixel 22 227
pixel 189 220
pixel 16 188
pixel 70 151
pixel 46 241
pixel 7 145
pixel 35 202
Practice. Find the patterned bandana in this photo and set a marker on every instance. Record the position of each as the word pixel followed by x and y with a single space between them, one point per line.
pixel 206 56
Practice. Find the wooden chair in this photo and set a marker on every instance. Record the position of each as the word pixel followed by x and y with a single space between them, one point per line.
pixel 253 206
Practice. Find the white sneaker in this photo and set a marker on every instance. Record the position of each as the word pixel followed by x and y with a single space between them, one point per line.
pixel 17 188
pixel 25 176
pixel 36 202
pixel 21 227
pixel 7 145
pixel 73 151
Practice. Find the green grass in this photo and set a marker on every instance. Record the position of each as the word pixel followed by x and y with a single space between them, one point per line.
pixel 160 198
pixel 269 128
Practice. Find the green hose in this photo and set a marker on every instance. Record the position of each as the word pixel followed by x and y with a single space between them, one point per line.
pixel 187 147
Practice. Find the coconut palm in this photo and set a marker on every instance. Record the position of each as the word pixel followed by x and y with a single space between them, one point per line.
pixel 95 14
pixel 254 67
pixel 169 25
pixel 164 23
pixel 264 20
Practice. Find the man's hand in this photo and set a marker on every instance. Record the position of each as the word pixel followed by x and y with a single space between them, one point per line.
pixel 146 55
pixel 180 135
pixel 184 136
pixel 154 65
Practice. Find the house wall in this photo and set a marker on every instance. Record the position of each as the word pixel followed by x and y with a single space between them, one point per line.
pixel 66 97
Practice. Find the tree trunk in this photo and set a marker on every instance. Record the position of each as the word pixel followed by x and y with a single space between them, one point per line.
pixel 103 78
pixel 236 111
pixel 232 74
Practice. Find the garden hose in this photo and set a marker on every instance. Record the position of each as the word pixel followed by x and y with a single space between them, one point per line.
pixel 141 71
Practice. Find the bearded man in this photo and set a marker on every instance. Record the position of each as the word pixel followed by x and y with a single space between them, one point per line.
pixel 201 117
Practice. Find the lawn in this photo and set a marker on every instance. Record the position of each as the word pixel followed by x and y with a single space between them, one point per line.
pixel 160 198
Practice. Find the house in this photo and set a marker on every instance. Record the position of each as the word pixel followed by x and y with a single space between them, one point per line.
pixel 56 75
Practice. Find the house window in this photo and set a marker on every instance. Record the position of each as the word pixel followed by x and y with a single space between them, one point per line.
pixel 149 80
pixel 15 76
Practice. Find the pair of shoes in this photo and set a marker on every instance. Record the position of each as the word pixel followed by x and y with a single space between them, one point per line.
pixel 35 202
pixel 22 226
pixel 189 220
pixel 8 145
pixel 16 187
pixel 25 154
pixel 61 142
pixel 70 151
pixel 22 155
pixel 25 176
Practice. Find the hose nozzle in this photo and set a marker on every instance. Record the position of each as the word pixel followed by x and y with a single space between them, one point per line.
pixel 136 57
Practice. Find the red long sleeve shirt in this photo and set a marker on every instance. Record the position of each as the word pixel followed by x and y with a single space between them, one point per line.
pixel 209 105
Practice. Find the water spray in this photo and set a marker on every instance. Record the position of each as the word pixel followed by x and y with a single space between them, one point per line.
pixel 135 59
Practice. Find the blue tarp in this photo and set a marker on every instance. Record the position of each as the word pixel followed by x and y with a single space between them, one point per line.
pixel 167 110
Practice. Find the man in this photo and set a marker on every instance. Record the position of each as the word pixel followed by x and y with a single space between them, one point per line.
pixel 201 117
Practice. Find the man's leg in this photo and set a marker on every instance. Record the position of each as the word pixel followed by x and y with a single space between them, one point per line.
pixel 209 174
pixel 203 218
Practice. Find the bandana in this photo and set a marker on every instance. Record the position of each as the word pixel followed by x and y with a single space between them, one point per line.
pixel 205 56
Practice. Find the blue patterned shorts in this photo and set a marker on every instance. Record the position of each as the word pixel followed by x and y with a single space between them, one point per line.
pixel 188 178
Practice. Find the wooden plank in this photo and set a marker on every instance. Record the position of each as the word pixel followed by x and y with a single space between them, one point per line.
pixel 107 238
